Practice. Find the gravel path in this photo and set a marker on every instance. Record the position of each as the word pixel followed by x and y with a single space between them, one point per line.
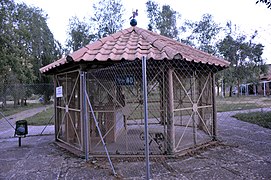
pixel 6 130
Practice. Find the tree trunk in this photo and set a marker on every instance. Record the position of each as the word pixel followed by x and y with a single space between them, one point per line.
pixel 217 90
pixel 238 88
pixel 15 101
pixel 230 94
pixel 4 98
pixel 224 91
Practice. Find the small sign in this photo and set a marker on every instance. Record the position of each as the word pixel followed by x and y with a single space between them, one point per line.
pixel 125 80
pixel 59 92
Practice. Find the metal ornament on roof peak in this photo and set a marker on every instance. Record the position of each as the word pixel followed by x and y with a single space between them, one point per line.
pixel 133 22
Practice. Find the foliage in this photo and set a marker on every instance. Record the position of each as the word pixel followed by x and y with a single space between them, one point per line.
pixel 203 33
pixel 266 2
pixel 108 17
pixel 79 34
pixel 26 44
pixel 164 20
pixel 245 56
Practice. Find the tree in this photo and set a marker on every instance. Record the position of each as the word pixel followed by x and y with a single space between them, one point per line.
pixel 164 20
pixel 266 2
pixel 13 61
pixel 108 17
pixel 203 33
pixel 42 48
pixel 245 57
pixel 26 45
pixel 79 34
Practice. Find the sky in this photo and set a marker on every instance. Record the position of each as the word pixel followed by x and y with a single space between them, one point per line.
pixel 247 15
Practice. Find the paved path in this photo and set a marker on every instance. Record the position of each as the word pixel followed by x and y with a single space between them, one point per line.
pixel 244 154
pixel 6 130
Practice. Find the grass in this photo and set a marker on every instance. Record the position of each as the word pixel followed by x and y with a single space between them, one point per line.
pixel 236 107
pixel 10 110
pixel 260 118
pixel 42 118
pixel 223 105
pixel 241 103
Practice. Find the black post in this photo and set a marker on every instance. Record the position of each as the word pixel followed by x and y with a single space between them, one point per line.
pixel 20 142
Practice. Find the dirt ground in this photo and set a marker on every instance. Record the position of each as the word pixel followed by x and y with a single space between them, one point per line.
pixel 245 153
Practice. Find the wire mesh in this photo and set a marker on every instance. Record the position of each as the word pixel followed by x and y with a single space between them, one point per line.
pixel 116 95
pixel 180 102
pixel 183 100
pixel 69 124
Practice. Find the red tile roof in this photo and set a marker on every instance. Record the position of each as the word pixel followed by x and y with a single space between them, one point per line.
pixel 134 43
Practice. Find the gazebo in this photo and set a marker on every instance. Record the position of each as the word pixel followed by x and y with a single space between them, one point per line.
pixel 99 100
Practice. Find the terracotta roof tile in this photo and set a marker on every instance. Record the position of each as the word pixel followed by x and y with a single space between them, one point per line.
pixel 134 43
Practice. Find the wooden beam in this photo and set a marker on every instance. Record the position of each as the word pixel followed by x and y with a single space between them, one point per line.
pixel 55 113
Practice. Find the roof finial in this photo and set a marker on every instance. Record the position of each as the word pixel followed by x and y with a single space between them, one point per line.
pixel 133 21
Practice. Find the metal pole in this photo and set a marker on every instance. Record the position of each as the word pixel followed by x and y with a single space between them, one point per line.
pixel 20 141
pixel 47 124
pixel 7 120
pixel 214 108
pixel 100 134
pixel 222 88
pixel 146 133
pixel 84 115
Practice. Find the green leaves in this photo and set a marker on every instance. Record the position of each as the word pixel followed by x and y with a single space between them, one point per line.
pixel 107 19
pixel 203 33
pixel 266 2
pixel 79 34
pixel 245 56
pixel 26 44
pixel 164 20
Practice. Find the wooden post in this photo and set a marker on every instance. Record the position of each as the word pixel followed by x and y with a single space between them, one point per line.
pixel 214 108
pixel 264 88
pixel 162 99
pixel 202 91
pixel 170 115
pixel 84 115
pixel 69 114
pixel 57 113
pixel 195 108
pixel 255 89
pixel 267 89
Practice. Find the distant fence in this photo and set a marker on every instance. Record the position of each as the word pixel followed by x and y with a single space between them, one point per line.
pixel 21 94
